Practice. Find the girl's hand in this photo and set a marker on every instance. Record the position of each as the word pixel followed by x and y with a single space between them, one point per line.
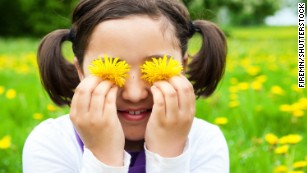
pixel 172 116
pixel 94 115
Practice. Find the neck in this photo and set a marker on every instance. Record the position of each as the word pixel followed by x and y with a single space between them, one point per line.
pixel 134 145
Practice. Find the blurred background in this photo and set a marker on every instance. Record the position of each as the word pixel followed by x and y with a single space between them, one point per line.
pixel 258 105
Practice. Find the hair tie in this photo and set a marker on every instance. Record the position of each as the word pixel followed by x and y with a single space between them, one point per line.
pixel 192 29
pixel 71 36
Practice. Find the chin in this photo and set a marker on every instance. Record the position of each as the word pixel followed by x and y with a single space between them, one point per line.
pixel 134 135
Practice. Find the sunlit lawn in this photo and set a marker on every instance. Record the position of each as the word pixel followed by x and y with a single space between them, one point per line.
pixel 257 96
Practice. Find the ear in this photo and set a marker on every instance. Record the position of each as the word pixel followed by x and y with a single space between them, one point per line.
pixel 79 69
pixel 185 62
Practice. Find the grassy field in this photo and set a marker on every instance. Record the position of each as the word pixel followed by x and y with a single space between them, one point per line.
pixel 257 105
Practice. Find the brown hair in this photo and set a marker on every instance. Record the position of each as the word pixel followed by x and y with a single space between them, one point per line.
pixel 59 77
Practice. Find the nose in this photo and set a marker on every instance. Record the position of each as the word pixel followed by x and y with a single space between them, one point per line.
pixel 135 89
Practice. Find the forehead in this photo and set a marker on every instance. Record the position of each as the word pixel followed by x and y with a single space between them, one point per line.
pixel 133 36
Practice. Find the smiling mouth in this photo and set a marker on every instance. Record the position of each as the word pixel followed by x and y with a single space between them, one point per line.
pixel 134 115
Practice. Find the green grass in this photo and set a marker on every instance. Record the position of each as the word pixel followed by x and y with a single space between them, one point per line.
pixel 252 52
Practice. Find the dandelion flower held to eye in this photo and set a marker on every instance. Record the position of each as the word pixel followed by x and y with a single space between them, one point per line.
pixel 160 69
pixel 111 69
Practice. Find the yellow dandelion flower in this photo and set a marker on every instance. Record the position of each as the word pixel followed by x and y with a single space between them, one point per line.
pixel 303 103
pixel 282 149
pixel 233 80
pixel 243 86
pixel 234 104
pixel 294 139
pixel 253 70
pixel 300 164
pixel 271 138
pixel 277 90
pixel 5 142
pixel 51 108
pixel 261 78
pixel 280 169
pixel 290 139
pixel 285 108
pixel 160 69
pixel 110 69
pixel 37 116
pixel 256 85
pixel 297 106
pixel 1 90
pixel 298 113
pixel 221 121
pixel 233 89
pixel 11 94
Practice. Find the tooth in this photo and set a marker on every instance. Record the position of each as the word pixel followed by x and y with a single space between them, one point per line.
pixel 131 112
pixel 137 112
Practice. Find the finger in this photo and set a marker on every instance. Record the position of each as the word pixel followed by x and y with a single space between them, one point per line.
pixel 98 98
pixel 110 110
pixel 81 99
pixel 171 98
pixel 158 109
pixel 185 92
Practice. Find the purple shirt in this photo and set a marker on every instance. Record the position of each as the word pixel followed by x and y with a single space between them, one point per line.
pixel 137 162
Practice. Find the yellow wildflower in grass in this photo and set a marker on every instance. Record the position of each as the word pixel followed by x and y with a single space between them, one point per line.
pixel 243 86
pixel 261 78
pixel 5 142
pixel 277 90
pixel 271 138
pixel 303 103
pixel 294 138
pixel 300 164
pixel 253 70
pixel 160 69
pixel 285 108
pixel 256 85
pixel 233 80
pixel 290 139
pixel 233 89
pixel 1 90
pixel 37 116
pixel 221 121
pixel 280 169
pixel 298 113
pixel 233 104
pixel 51 108
pixel 111 69
pixel 282 149
pixel 10 94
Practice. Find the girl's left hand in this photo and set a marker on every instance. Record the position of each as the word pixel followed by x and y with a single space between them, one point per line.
pixel 172 116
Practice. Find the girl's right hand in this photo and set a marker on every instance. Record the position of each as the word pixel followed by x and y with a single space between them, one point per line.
pixel 94 115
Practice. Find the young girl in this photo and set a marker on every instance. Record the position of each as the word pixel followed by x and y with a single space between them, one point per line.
pixel 138 127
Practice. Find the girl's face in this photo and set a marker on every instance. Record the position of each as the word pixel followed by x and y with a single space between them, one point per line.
pixel 134 39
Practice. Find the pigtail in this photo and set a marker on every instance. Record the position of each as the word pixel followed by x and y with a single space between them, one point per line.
pixel 207 66
pixel 58 76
